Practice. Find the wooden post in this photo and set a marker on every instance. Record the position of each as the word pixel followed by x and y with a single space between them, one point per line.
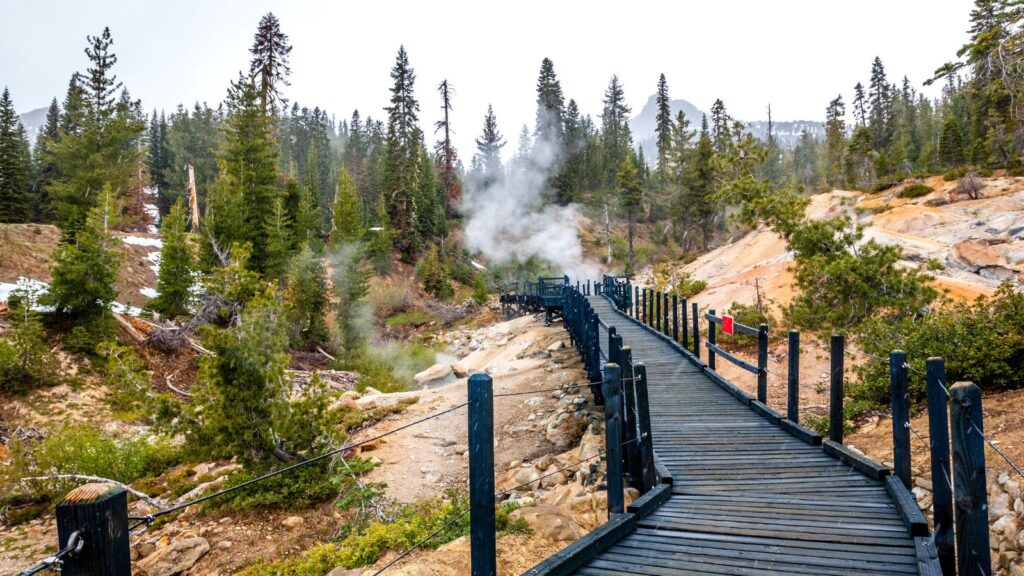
pixel 942 481
pixel 793 403
pixel 664 314
pixel 482 530
pixel 636 302
pixel 675 318
pixel 612 438
pixel 835 407
pixel 762 364
pixel 972 544
pixel 711 340
pixel 686 325
pixel 657 311
pixel 630 448
pixel 900 401
pixel 696 331
pixel 614 346
pixel 98 512
pixel 643 309
pixel 648 474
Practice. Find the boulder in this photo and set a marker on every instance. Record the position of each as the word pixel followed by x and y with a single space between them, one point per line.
pixel 459 370
pixel 556 346
pixel 293 521
pixel 973 255
pixel 565 430
pixel 437 375
pixel 176 558
pixel 550 523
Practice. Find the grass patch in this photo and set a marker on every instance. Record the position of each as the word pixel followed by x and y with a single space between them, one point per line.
pixel 414 318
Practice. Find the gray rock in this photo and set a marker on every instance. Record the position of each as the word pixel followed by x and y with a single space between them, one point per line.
pixel 176 558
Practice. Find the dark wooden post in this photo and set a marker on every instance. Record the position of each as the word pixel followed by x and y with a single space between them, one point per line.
pixel 900 400
pixel 648 474
pixel 612 438
pixel 762 364
pixel 636 302
pixel 675 318
pixel 664 314
pixel 835 407
pixel 657 311
pixel 711 340
pixel 686 326
pixel 942 481
pixel 643 309
pixel 614 346
pixel 696 330
pixel 630 448
pixel 972 545
pixel 793 401
pixel 482 532
pixel 99 514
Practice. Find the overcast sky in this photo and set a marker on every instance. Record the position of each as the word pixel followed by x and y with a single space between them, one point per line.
pixel 795 54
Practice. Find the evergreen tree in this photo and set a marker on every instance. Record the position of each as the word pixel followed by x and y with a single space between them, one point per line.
pixel 380 239
pixel 447 158
pixel 573 174
pixel 15 165
pixel 309 298
pixel 400 164
pixel 249 207
pixel 85 269
pixel 550 109
pixel 700 182
pixel 859 106
pixel 616 138
pixel 488 150
pixel 308 218
pixel 434 276
pixel 157 158
pixel 951 142
pixel 45 166
pixel 269 69
pixel 630 198
pixel 682 145
pixel 835 141
pixel 663 130
pixel 177 265
pixel 99 142
pixel 347 220
pixel 350 282
pixel 431 200
pixel 523 160
pixel 721 134
pixel 193 139
pixel 879 105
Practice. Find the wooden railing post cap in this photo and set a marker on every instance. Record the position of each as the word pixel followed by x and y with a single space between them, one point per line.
pixel 92 493
pixel 962 392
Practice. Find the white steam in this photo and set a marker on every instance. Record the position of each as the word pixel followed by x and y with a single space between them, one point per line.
pixel 508 219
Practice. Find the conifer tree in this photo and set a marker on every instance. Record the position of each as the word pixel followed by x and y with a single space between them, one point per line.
pixel 350 282
pixel 663 130
pixel 447 158
pixel 157 159
pixel 85 269
pixel 177 265
pixel 15 165
pixel 45 167
pixel 615 133
pixel 400 163
pixel 859 105
pixel 434 276
pixel 269 69
pixel 550 108
pixel 194 138
pixel 347 222
pixel 308 218
pixel 951 142
pixel 380 239
pixel 430 200
pixel 488 150
pixel 878 105
pixel 835 140
pixel 700 181
pixel 721 134
pixel 573 172
pixel 630 198
pixel 309 298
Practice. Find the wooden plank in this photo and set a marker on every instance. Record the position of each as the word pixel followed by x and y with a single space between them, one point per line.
pixel 858 461
pixel 907 505
pixel 766 411
pixel 804 434
pixel 648 503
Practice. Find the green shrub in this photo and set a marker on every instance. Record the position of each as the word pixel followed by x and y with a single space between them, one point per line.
pixel 129 384
pixel 480 290
pixel 688 287
pixel 410 318
pixel 388 299
pixel 25 359
pixel 748 315
pixel 298 489
pixel 982 342
pixel 79 449
pixel 954 174
pixel 915 190
pixel 985 172
pixel 935 264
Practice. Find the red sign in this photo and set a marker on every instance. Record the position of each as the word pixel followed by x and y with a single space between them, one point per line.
pixel 727 324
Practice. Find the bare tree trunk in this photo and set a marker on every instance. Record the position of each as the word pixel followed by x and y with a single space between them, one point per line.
pixel 193 198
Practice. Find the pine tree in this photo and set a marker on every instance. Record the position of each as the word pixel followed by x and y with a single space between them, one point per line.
pixel 721 134
pixel 177 265
pixel 859 105
pixel 663 130
pixel 269 69
pixel 157 159
pixel 951 142
pixel 308 218
pixel 400 163
pixel 380 241
pixel 350 282
pixel 45 167
pixel 347 222
pixel 430 201
pixel 550 109
pixel 85 270
pixel 247 184
pixel 488 150
pixel 434 276
pixel 522 162
pixel 835 141
pixel 630 198
pixel 573 172
pixel 447 158
pixel 193 139
pixel 99 138
pixel 700 182
pixel 309 298
pixel 878 105
pixel 15 165
pixel 615 134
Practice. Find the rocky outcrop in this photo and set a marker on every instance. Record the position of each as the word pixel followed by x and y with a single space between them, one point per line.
pixel 176 558
pixel 978 257
pixel 437 375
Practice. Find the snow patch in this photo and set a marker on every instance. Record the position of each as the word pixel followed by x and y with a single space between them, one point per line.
pixel 154 258
pixel 148 292
pixel 140 241
pixel 24 284
pixel 477 265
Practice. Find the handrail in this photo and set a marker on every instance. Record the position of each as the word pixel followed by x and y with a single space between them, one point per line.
pixel 734 359
pixel 748 330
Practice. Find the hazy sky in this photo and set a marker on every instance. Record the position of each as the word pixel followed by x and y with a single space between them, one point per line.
pixel 797 55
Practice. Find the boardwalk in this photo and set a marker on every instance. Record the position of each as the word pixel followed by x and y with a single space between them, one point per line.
pixel 747 497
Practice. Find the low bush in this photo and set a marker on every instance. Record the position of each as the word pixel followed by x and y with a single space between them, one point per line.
pixel 748 315
pixel 954 174
pixel 390 298
pixel 410 318
pixel 688 287
pixel 915 190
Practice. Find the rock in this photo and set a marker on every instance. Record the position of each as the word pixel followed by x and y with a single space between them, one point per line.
pixel 437 375
pixel 591 444
pixel 459 370
pixel 176 558
pixel 224 544
pixel 432 477
pixel 344 403
pixel 1005 525
pixel 341 571
pixel 371 391
pixel 555 347
pixel 923 483
pixel 999 506
pixel 293 521
pixel 203 488
pixel 529 477
pixel 996 273
pixel 565 430
pixel 550 523
pixel 973 255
